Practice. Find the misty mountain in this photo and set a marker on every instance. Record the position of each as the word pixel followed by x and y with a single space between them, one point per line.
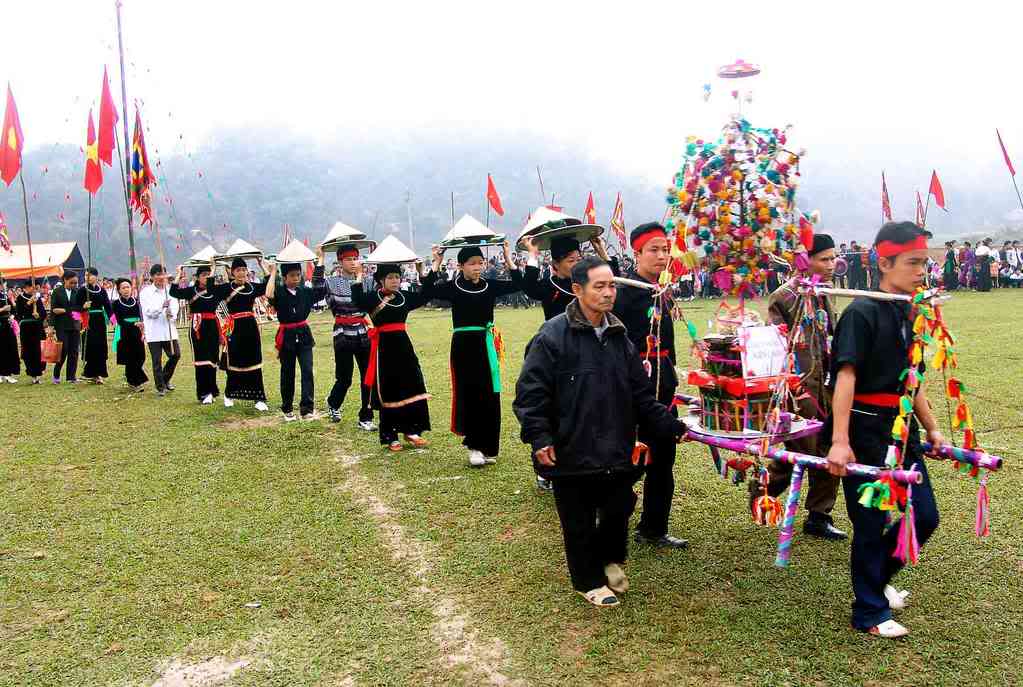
pixel 251 183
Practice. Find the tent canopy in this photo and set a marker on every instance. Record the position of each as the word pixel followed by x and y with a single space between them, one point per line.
pixel 46 259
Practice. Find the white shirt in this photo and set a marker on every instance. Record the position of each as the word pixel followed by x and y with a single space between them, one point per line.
pixel 158 326
pixel 1012 256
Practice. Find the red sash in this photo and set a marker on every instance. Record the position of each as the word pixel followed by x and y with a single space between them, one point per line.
pixel 348 320
pixel 284 326
pixel 236 316
pixel 197 319
pixel 879 399
pixel 374 342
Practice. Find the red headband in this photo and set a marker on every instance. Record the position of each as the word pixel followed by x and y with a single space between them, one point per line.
pixel 349 253
pixel 642 239
pixel 889 249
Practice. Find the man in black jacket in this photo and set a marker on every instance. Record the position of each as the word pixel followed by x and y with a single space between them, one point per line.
pixel 581 393
pixel 67 329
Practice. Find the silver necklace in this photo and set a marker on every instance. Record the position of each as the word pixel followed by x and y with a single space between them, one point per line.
pixel 555 285
pixel 485 286
pixel 388 303
pixel 127 305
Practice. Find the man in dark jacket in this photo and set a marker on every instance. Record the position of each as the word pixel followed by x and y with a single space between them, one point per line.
pixel 66 328
pixel 581 393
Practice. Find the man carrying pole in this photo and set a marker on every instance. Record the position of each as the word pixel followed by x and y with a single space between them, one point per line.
pixel 788 307
pixel 869 363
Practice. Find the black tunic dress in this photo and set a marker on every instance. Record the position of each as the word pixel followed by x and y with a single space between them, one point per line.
pixel 399 390
pixel 205 335
pixel 94 344
pixel 476 403
pixel 129 344
pixel 10 366
pixel 30 321
pixel 244 360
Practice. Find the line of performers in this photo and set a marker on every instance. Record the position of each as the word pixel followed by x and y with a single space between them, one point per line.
pixel 578 444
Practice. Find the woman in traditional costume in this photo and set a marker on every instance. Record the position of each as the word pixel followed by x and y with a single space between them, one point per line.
pixel 30 313
pixel 95 307
pixel 10 366
pixel 950 271
pixel 244 360
pixel 475 348
pixel 129 343
pixel 205 331
pixel 394 375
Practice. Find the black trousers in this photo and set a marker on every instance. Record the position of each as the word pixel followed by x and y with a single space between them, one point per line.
pixel 344 368
pixel 658 487
pixel 71 339
pixel 589 546
pixel 162 373
pixel 288 357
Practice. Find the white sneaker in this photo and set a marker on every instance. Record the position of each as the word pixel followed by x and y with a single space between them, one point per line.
pixel 207 399
pixel 367 425
pixel 289 417
pixel 478 460
pixel 228 402
pixel 889 629
pixel 12 380
pixel 896 598
pixel 262 407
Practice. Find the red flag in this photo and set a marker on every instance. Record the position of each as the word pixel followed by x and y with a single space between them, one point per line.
pixel 12 141
pixel 93 171
pixel 107 122
pixel 886 206
pixel 936 191
pixel 141 174
pixel 590 213
pixel 618 222
pixel 493 198
pixel 919 211
pixel 1005 154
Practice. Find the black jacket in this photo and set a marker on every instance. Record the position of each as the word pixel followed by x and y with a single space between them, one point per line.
pixel 632 307
pixel 60 298
pixel 584 396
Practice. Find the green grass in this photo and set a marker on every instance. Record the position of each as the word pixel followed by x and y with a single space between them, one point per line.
pixel 133 531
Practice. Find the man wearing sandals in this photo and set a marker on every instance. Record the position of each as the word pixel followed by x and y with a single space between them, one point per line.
pixel 581 393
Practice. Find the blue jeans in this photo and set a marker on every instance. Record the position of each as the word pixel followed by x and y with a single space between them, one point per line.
pixel 871 562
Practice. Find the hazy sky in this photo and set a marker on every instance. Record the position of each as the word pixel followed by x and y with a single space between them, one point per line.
pixel 922 84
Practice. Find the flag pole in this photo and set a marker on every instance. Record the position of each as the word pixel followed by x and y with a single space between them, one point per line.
pixel 1016 186
pixel 543 196
pixel 127 145
pixel 88 230
pixel 28 234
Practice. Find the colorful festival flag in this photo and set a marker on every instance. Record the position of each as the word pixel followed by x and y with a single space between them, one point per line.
pixel 1005 154
pixel 107 122
pixel 936 191
pixel 12 141
pixel 141 174
pixel 493 198
pixel 886 206
pixel 618 222
pixel 93 170
pixel 590 213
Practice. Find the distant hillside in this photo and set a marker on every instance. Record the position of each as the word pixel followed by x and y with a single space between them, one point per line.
pixel 250 183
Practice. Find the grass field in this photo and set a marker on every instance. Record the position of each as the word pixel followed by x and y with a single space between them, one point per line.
pixel 138 534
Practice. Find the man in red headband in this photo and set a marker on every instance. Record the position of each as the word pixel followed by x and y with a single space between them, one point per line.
pixel 657 350
pixel 351 340
pixel 869 356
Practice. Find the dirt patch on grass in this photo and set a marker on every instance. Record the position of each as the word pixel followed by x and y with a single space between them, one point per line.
pixel 249 422
pixel 461 647
pixel 212 671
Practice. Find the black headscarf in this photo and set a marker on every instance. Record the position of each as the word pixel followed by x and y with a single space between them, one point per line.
pixel 238 262
pixel 562 246
pixel 468 252
pixel 821 242
pixel 384 269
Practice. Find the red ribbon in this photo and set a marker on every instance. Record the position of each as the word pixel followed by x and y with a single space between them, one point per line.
pixel 374 343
